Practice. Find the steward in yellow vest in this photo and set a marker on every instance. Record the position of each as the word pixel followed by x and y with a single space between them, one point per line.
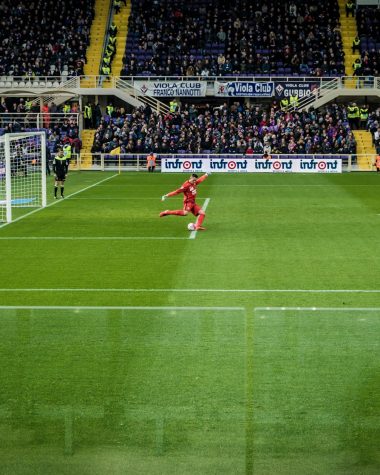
pixel 293 100
pixel 363 116
pixel 350 8
pixel 173 106
pixel 87 116
pixel 67 151
pixel 356 44
pixel 113 30
pixel 284 103
pixel 357 67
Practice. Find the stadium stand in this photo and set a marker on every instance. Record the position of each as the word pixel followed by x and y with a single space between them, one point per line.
pixel 373 126
pixel 60 127
pixel 44 38
pixel 233 38
pixel 368 24
pixel 227 129
pixel 241 38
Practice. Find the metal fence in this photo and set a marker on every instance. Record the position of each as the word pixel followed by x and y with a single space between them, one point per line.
pixel 137 162
pixel 34 120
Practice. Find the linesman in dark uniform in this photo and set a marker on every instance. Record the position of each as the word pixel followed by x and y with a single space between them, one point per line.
pixel 60 169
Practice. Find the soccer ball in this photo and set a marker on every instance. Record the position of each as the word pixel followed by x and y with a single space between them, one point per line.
pixel 191 227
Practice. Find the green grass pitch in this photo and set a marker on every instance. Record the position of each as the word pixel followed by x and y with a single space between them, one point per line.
pixel 129 345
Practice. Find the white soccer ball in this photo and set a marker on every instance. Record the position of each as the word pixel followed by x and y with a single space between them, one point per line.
pixel 191 227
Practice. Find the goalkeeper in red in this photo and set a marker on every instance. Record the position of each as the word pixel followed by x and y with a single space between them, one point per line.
pixel 189 190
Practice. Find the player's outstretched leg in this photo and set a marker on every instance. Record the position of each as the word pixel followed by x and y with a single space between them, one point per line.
pixel 198 224
pixel 177 212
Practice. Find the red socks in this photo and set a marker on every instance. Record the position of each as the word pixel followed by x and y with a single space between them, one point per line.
pixel 200 219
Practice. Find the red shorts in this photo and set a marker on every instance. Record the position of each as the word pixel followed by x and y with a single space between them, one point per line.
pixel 192 208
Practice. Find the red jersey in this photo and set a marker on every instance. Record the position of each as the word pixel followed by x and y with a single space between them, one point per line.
pixel 189 190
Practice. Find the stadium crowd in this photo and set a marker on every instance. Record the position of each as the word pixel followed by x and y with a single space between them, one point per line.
pixel 59 122
pixel 229 38
pixel 44 38
pixel 373 125
pixel 226 129
pixel 368 24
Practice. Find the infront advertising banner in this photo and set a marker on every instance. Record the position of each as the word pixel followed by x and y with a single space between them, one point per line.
pixel 250 165
pixel 171 88
pixel 300 89
pixel 243 89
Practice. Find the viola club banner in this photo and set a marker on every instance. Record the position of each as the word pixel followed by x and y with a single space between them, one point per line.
pixel 250 165
pixel 244 89
pixel 171 88
pixel 299 89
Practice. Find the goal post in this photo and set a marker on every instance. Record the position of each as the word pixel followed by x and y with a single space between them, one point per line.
pixel 22 174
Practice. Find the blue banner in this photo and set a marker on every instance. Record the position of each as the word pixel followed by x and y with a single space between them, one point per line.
pixel 244 89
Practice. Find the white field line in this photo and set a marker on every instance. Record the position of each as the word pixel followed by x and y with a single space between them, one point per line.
pixel 58 201
pixel 193 234
pixel 117 198
pixel 70 307
pixel 248 291
pixel 317 309
pixel 90 238
pixel 253 186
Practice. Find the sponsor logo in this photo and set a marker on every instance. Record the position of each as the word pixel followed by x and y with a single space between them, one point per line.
pixel 259 89
pixel 279 89
pixel 252 165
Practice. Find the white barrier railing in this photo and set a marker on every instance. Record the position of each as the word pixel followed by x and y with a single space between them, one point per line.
pixel 95 81
pixel 41 82
pixel 137 162
pixel 129 89
pixel 37 120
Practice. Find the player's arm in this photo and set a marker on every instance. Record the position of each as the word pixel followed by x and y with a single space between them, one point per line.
pixel 173 193
pixel 202 178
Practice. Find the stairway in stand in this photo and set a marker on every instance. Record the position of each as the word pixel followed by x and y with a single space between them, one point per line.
pixel 95 50
pixel 121 21
pixel 85 153
pixel 365 149
pixel 348 32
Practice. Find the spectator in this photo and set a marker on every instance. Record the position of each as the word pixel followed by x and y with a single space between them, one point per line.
pixel 229 129
pixel 235 35
pixel 368 20
pixel 44 38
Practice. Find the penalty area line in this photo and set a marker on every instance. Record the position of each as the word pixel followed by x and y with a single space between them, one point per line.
pixel 193 234
pixel 134 307
pixel 91 238
pixel 130 290
pixel 317 309
pixel 58 201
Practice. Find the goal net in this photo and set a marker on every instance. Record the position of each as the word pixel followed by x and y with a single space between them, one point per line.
pixel 22 174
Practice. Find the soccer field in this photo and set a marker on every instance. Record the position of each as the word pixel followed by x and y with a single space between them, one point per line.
pixel 130 345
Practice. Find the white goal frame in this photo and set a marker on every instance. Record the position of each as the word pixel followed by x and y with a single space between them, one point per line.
pixel 8 139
